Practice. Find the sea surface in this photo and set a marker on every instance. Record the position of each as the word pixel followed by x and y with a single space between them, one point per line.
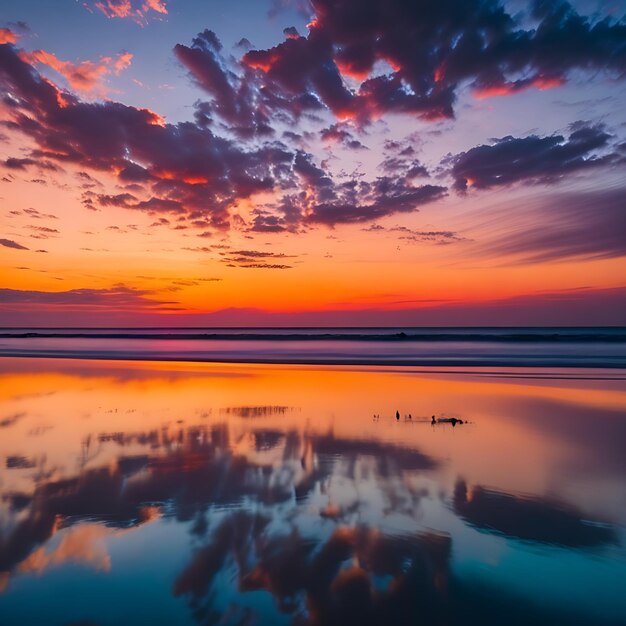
pixel 502 347
pixel 181 492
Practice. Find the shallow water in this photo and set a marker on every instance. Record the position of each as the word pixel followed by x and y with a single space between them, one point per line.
pixel 184 493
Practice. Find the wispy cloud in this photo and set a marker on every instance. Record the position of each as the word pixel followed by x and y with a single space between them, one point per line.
pixel 117 297
pixel 9 243
pixel 255 259
pixel 558 227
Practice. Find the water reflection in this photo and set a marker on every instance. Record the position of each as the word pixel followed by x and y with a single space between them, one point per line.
pixel 159 494
pixel 255 411
pixel 531 519
pixel 355 576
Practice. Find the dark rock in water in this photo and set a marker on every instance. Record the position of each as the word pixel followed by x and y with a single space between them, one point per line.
pixel 449 420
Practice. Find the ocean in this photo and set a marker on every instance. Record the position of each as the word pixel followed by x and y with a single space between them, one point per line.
pixel 497 347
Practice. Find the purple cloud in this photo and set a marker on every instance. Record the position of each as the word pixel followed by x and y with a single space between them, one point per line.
pixel 538 159
pixel 9 243
pixel 432 50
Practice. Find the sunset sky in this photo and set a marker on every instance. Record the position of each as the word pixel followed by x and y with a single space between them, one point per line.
pixel 338 162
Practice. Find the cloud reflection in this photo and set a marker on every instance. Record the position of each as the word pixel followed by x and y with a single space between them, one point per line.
pixel 284 524
pixel 530 519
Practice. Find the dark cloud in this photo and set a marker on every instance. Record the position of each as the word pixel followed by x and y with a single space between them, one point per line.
pixel 409 168
pixel 183 164
pixel 432 49
pixel 151 205
pixel 301 66
pixel 255 259
pixel 13 163
pixel 359 202
pixel 235 99
pixel 538 159
pixel 340 134
pixel 240 102
pixel 9 243
pixel 265 222
pixel 325 201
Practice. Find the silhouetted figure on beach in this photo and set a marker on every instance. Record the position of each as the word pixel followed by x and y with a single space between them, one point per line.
pixel 398 415
pixel 433 420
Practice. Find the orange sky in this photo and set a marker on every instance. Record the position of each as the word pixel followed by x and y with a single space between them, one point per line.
pixel 86 239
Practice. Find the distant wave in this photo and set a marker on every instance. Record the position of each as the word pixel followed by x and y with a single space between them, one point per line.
pixel 612 335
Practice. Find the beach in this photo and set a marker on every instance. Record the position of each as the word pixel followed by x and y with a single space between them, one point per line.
pixel 172 492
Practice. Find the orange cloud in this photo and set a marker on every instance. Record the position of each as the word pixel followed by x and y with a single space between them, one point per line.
pixel 156 5
pixel 7 36
pixel 121 62
pixel 126 8
pixel 115 8
pixel 350 69
pixel 506 89
pixel 85 77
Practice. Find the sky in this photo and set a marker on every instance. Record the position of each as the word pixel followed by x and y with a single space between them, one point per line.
pixel 333 162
